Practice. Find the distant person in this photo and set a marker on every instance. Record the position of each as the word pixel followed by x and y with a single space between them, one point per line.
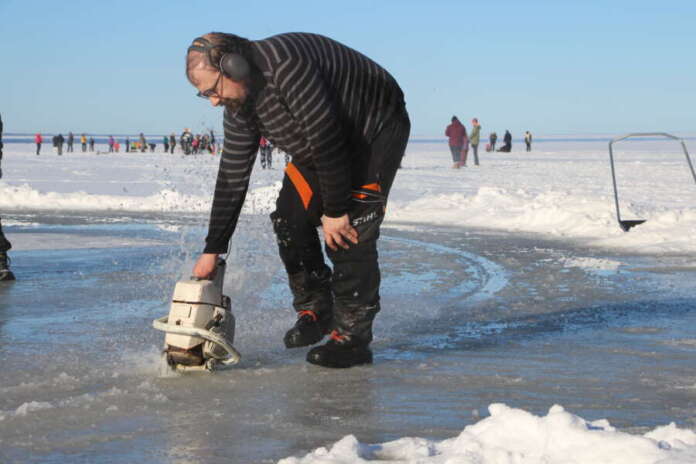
pixel 58 142
pixel 117 146
pixel 465 150
pixel 83 142
pixel 128 145
pixel 111 144
pixel 262 152
pixel 475 138
pixel 186 140
pixel 507 142
pixel 38 139
pixel 212 142
pixel 456 132
pixel 91 144
pixel 269 154
pixel 492 139
pixel 263 143
pixel 528 140
pixel 165 142
pixel 172 142
pixel 5 245
pixel 71 140
pixel 143 143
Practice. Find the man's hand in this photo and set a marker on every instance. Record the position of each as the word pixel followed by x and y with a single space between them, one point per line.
pixel 205 266
pixel 338 229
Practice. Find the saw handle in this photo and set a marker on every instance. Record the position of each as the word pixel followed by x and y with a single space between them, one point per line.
pixel 220 265
pixel 163 324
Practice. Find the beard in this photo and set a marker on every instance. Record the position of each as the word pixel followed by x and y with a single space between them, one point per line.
pixel 233 104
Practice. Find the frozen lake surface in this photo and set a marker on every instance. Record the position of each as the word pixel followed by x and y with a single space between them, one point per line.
pixel 509 282
pixel 470 317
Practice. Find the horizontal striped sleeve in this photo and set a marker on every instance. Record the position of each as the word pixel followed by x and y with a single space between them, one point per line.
pixel 311 104
pixel 236 162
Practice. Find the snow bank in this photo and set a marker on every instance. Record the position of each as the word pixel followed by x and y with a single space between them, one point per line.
pixel 555 214
pixel 24 197
pixel 516 436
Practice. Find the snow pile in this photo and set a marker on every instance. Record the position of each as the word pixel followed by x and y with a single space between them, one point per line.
pixel 24 197
pixel 516 436
pixel 557 213
pixel 32 406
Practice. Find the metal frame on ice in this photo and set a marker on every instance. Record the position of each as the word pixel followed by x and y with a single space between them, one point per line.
pixel 626 224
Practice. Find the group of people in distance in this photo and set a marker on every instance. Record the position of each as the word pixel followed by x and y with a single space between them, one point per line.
pixel 459 141
pixel 58 142
pixel 266 153
pixel 188 143
pixel 507 142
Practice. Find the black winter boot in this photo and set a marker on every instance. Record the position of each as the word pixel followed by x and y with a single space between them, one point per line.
pixel 308 330
pixel 341 351
pixel 348 344
pixel 5 273
pixel 313 301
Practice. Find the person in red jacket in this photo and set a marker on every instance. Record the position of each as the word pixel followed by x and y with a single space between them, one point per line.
pixel 263 151
pixel 39 140
pixel 456 133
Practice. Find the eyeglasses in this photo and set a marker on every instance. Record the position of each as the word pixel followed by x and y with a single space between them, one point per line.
pixel 211 92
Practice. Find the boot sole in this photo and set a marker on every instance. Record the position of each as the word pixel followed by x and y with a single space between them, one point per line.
pixel 319 359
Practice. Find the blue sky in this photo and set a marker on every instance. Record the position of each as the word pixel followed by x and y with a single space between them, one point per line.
pixel 546 66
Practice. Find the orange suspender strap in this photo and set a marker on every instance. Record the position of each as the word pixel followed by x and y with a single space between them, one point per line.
pixel 362 196
pixel 301 185
pixel 305 191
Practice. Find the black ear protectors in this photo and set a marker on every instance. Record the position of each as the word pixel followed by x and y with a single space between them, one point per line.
pixel 232 65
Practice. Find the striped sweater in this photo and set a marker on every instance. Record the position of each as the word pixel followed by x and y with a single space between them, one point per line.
pixel 319 101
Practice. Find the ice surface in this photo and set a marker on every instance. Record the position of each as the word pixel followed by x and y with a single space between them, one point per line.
pixel 507 289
